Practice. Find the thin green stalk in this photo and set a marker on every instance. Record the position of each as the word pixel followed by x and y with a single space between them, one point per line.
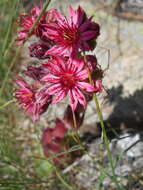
pixel 62 180
pixel 106 141
pixel 76 138
pixel 7 103
pixel 104 135
pixel 9 70
pixel 9 27
pixel 7 50
pixel 105 138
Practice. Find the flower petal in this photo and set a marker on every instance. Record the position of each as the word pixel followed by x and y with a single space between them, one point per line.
pixel 81 15
pixel 85 86
pixel 21 82
pixel 59 97
pixel 85 45
pixel 56 50
pixel 88 35
pixel 80 96
pixel 73 16
pixel 79 63
pixel 82 75
pixel 60 129
pixel 47 137
pixel 73 99
pixel 50 78
pixel 55 70
pixel 54 89
pixel 72 13
pixel 85 25
pixel 70 66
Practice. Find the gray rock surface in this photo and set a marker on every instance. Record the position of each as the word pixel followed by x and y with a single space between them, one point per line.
pixel 135 6
pixel 127 151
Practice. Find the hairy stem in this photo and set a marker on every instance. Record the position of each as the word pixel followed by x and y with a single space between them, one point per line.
pixel 104 135
pixel 62 180
pixel 76 136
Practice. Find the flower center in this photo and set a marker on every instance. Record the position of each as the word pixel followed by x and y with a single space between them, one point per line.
pixel 68 80
pixel 70 36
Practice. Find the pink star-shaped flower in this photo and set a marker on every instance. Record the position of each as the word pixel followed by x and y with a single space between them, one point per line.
pixel 33 102
pixel 73 34
pixel 67 77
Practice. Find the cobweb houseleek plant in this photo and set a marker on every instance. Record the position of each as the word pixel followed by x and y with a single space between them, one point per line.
pixel 66 68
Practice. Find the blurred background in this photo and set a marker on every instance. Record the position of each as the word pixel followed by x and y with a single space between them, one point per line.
pixel 120 53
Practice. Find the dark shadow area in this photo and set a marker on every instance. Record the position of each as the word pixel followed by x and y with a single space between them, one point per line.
pixel 127 115
pixel 128 111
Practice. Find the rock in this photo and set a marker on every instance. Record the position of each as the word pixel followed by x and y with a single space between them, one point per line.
pixel 135 6
pixel 123 79
pixel 127 151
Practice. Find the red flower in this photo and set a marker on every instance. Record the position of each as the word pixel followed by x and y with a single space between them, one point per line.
pixel 38 49
pixel 67 78
pixel 32 101
pixel 73 34
pixel 53 141
pixel 50 17
pixel 26 21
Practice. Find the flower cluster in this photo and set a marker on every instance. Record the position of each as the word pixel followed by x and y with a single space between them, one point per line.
pixel 66 69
